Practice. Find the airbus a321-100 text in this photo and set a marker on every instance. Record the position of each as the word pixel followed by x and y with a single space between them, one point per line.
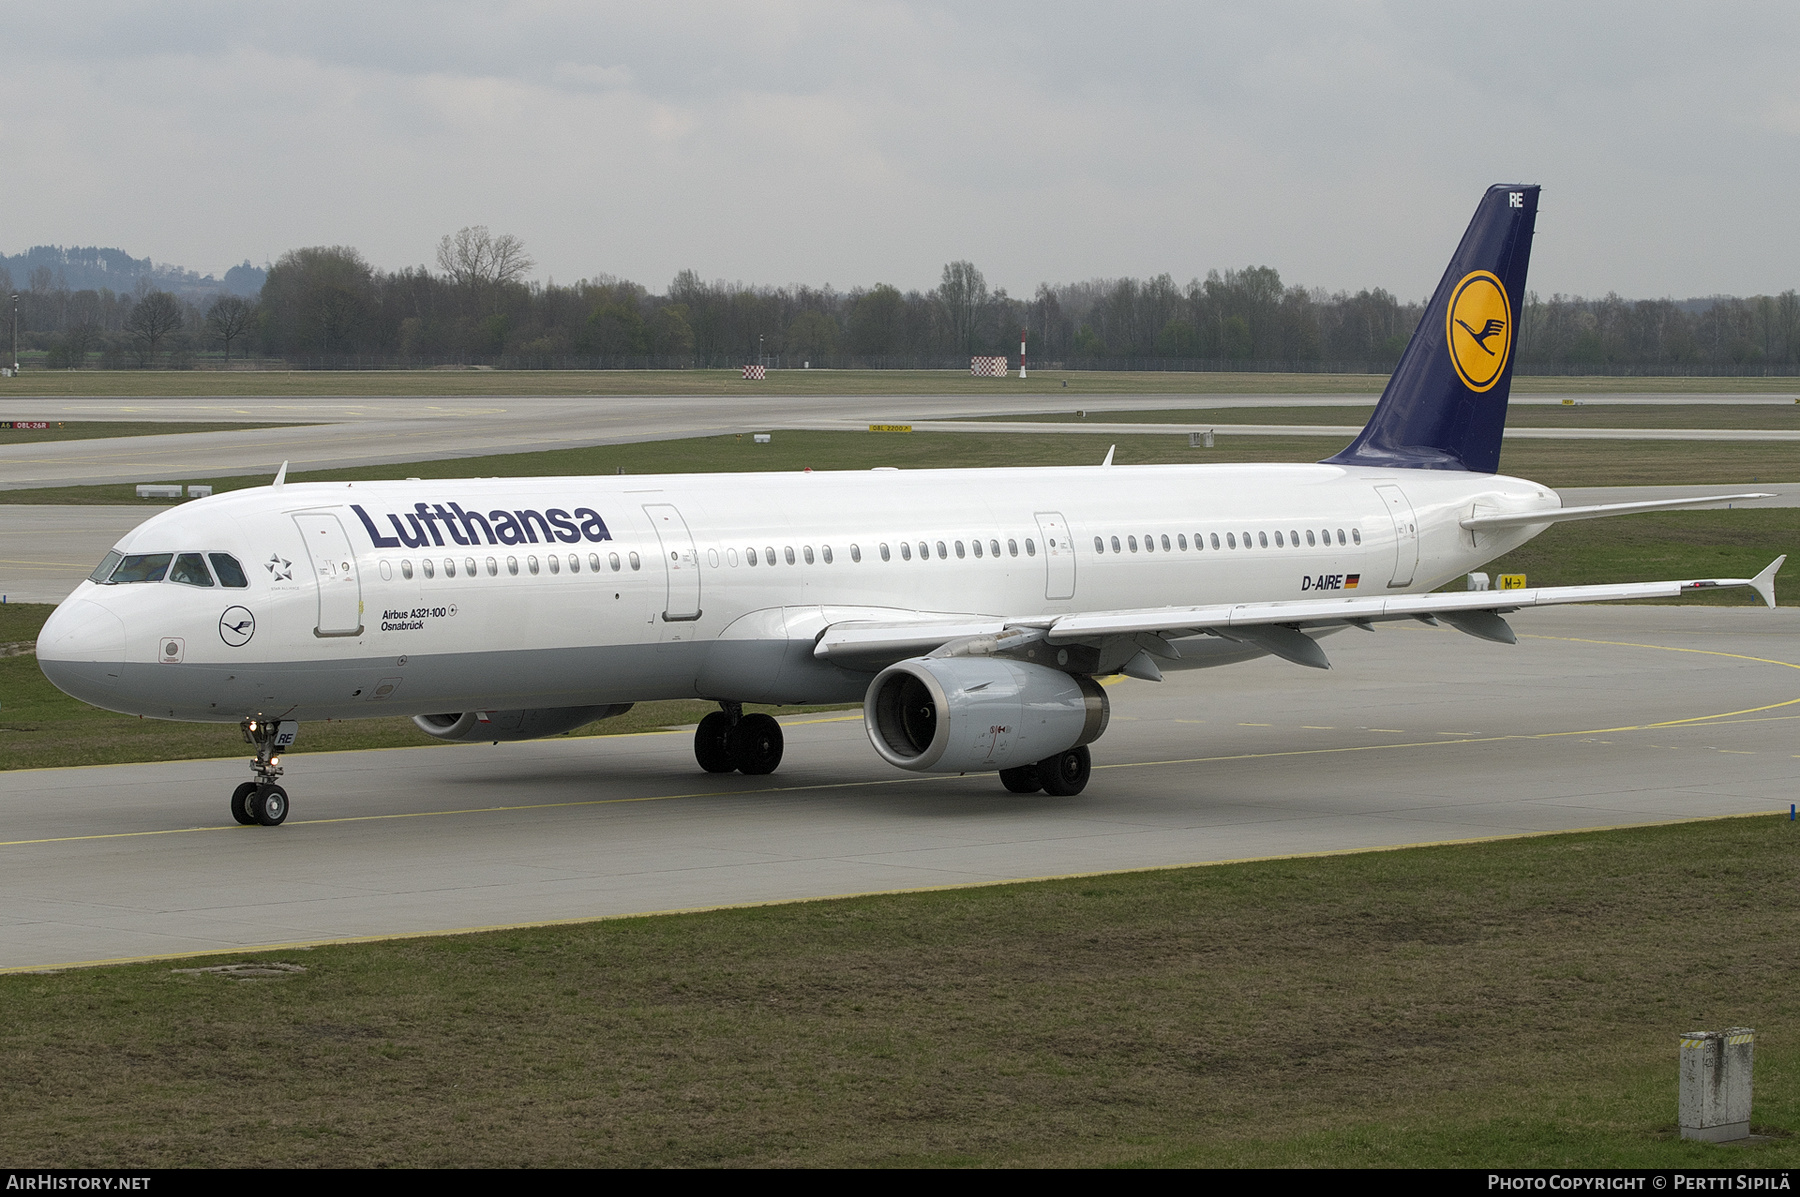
pixel 970 611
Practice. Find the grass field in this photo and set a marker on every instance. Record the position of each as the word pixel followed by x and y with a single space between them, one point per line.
pixel 1502 1005
pixel 793 382
pixel 1709 413
pixel 87 430
pixel 1555 463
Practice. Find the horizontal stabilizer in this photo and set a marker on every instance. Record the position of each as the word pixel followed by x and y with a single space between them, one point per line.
pixel 1481 523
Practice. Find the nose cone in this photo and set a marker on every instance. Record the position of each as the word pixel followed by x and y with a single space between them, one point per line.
pixel 82 650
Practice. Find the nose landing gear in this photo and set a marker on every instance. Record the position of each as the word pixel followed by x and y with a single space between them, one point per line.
pixel 262 801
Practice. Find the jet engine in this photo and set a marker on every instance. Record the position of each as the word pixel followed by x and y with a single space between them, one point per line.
pixel 513 725
pixel 973 714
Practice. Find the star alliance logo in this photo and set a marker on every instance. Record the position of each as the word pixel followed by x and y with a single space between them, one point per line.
pixel 280 569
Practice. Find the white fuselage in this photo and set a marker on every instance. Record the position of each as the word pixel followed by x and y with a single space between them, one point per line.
pixel 623 589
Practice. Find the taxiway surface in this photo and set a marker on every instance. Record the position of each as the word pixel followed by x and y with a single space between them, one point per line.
pixel 1599 716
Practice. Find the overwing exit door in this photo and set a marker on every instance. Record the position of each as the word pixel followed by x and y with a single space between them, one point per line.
pixel 334 573
pixel 680 562
pixel 1059 556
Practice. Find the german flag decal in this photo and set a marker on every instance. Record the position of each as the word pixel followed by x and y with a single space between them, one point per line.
pixel 1350 581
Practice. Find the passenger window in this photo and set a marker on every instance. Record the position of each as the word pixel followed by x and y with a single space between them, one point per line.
pixel 976 546
pixel 612 559
pixel 749 555
pixel 1149 544
pixel 1262 539
pixel 1012 548
pixel 512 565
pixel 1309 538
pixel 788 552
pixel 387 570
pixel 1131 543
pixel 1099 545
pixel 555 563
pixel 1341 537
pixel 1278 543
pixel 142 567
pixel 469 565
pixel 1117 547
pixel 994 547
pixel 1215 540
pixel 1355 534
pixel 231 574
pixel 531 566
pixel 1294 538
pixel 635 563
pixel 449 568
pixel 855 553
pixel 942 555
pixel 825 552
pixel 190 570
pixel 924 551
pixel 1181 539
pixel 730 556
pixel 574 563
pixel 430 570
pixel 1165 543
pixel 406 570
pixel 959 549
pixel 884 551
pixel 769 552
pixel 1230 541
pixel 806 551
pixel 712 559
pixel 594 560
pixel 1030 547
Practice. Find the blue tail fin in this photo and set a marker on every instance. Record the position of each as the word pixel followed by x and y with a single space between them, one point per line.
pixel 1445 406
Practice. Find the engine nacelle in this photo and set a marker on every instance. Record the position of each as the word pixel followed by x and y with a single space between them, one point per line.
pixel 970 714
pixel 513 725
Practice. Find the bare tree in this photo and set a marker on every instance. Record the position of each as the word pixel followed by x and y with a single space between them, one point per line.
pixel 963 294
pixel 152 319
pixel 229 318
pixel 481 263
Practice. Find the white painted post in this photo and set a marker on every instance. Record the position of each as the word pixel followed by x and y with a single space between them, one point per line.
pixel 1715 1084
pixel 1478 581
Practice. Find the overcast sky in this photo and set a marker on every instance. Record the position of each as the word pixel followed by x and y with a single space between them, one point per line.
pixel 1344 144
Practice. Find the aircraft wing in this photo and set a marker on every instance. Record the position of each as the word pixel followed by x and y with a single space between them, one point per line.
pixel 1275 627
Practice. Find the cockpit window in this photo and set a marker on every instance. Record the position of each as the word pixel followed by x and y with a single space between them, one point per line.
pixel 142 567
pixel 103 571
pixel 190 570
pixel 230 572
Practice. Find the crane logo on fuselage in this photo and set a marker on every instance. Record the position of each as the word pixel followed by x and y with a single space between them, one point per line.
pixel 236 626
pixel 431 523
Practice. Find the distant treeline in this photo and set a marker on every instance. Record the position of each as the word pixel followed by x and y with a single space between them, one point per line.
pixel 327 306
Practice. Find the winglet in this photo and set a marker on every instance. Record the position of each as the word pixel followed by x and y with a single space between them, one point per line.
pixel 280 475
pixel 1764 583
pixel 1109 453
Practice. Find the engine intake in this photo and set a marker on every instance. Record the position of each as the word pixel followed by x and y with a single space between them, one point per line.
pixel 513 725
pixel 972 714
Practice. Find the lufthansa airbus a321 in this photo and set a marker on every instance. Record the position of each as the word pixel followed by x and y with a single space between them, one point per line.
pixel 970 611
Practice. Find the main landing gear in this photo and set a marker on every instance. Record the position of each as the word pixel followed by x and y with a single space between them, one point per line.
pixel 1063 775
pixel 728 739
pixel 262 801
